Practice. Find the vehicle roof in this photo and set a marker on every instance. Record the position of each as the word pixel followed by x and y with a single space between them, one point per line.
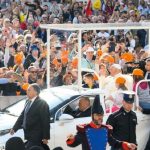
pixel 62 93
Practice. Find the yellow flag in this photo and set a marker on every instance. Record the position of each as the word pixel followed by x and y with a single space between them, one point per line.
pixel 97 4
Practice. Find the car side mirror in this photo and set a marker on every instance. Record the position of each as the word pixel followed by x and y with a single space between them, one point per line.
pixel 66 118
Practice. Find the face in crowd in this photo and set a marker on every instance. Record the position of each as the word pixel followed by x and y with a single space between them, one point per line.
pixel 127 106
pixel 147 66
pixel 97 118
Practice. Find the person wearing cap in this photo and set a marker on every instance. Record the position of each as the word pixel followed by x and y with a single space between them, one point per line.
pixel 124 121
pixel 88 61
pixel 89 135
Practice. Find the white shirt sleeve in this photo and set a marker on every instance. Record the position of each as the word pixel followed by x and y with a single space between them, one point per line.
pixel 6 56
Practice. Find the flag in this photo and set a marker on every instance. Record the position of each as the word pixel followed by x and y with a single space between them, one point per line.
pixel 88 10
pixel 97 4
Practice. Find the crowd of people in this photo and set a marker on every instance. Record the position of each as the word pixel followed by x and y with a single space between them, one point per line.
pixel 23 44
pixel 77 11
pixel 120 57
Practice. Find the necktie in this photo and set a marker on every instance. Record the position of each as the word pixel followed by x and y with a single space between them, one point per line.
pixel 25 113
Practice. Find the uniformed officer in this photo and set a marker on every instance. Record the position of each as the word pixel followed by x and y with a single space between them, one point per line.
pixel 124 121
pixel 95 135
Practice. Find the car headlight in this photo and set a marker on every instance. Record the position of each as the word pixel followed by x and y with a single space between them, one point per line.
pixel 3 132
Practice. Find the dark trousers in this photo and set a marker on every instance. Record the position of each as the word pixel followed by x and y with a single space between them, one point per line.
pixel 29 144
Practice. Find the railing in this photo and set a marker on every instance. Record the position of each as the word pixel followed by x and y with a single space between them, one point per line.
pixel 136 91
pixel 82 27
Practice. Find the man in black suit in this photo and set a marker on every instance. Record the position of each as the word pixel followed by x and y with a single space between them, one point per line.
pixel 34 119
pixel 84 109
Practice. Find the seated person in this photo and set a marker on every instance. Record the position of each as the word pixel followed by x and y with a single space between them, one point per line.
pixel 84 109
pixel 89 81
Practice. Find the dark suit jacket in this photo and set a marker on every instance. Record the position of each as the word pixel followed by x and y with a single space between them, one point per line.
pixel 78 113
pixel 37 122
pixel 9 89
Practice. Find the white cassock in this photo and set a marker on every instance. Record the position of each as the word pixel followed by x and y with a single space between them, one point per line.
pixel 109 83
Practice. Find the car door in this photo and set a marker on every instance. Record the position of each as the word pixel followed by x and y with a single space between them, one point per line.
pixel 67 125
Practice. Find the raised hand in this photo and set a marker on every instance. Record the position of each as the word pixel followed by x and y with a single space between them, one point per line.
pixel 70 137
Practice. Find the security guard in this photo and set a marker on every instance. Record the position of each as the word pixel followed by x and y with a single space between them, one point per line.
pixel 95 135
pixel 124 121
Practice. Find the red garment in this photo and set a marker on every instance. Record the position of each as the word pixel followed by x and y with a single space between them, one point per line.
pixel 109 10
pixel 88 9
pixel 114 109
pixel 23 26
pixel 142 85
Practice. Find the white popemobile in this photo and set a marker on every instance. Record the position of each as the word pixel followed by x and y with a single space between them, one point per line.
pixel 60 99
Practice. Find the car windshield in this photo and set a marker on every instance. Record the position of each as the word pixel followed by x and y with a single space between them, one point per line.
pixel 52 97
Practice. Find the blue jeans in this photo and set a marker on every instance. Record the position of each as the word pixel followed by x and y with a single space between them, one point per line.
pixel 145 106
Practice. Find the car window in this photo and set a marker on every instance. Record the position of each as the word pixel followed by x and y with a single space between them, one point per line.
pixel 75 104
pixel 72 106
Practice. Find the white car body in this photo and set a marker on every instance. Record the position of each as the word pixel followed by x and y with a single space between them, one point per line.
pixel 67 125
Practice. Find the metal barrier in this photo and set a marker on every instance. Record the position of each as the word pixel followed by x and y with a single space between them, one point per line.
pixel 136 90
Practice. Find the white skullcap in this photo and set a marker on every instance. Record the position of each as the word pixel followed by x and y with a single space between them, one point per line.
pixel 117 66
pixel 90 49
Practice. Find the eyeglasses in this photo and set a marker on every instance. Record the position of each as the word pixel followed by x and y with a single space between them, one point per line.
pixel 33 71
